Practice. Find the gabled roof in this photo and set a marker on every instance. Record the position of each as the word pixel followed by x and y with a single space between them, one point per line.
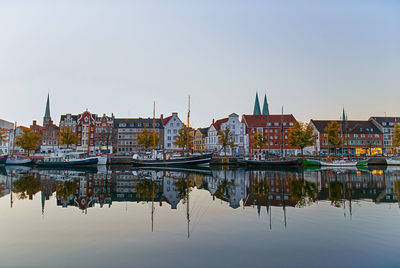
pixel 354 126
pixel 382 119
pixel 204 130
pixel 166 120
pixel 262 120
pixel 217 124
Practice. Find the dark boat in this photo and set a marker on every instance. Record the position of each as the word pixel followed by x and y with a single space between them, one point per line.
pixel 174 161
pixel 67 159
pixel 3 159
pixel 278 162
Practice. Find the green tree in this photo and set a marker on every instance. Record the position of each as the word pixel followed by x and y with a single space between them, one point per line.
pixel 301 136
pixel 335 193
pixel 26 186
pixel 259 140
pixel 67 137
pixel 182 139
pixel 148 138
pixel 145 189
pixel 303 192
pixel 225 139
pixel 396 137
pixel 29 140
pixel 333 129
pixel 65 189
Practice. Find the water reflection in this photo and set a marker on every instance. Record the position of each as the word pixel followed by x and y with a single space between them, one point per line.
pixel 259 188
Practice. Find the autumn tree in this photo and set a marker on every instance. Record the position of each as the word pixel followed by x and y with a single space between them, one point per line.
pixel 148 138
pixel 67 137
pixel 260 140
pixel 2 135
pixel 29 140
pixel 301 136
pixel 225 139
pixel 182 139
pixel 333 129
pixel 64 189
pixel 396 137
pixel 27 186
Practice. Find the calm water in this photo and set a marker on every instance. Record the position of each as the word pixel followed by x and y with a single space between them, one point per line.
pixel 199 218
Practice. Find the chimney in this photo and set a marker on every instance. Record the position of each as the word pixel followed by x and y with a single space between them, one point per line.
pixel 213 121
pixel 34 122
pixel 162 116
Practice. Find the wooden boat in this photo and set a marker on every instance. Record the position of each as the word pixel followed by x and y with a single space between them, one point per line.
pixel 3 159
pixel 19 161
pixel 67 159
pixel 339 163
pixel 172 161
pixel 277 162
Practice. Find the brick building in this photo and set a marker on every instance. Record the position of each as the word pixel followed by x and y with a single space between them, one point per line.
pixel 386 125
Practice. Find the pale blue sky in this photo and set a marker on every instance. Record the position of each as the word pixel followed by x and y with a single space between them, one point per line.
pixel 312 57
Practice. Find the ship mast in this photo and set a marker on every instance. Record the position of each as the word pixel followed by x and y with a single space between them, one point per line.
pixel 188 126
pixel 154 125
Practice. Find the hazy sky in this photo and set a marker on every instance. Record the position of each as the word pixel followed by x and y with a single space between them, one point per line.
pixel 312 57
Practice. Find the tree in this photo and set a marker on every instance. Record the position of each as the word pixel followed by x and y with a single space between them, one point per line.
pixel 147 138
pixel 260 140
pixel 67 137
pixel 396 136
pixel 182 139
pixel 225 139
pixel 2 135
pixel 332 129
pixel 145 189
pixel 301 136
pixel 26 186
pixel 29 140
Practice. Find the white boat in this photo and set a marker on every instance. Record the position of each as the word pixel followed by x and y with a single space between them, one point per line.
pixel 101 159
pixel 17 160
pixel 393 162
pixel 336 163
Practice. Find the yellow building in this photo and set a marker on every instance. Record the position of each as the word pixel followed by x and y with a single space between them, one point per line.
pixel 199 139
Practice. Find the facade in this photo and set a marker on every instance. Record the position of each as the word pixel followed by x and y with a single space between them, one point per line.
pixel 6 128
pixel 275 127
pixel 49 131
pixel 126 129
pixel 386 125
pixel 199 138
pixel 237 130
pixel 94 132
pixel 359 137
pixel 172 124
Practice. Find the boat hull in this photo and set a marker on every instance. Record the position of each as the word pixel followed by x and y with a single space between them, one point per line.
pixel 308 162
pixel 3 159
pixel 26 161
pixel 70 163
pixel 102 160
pixel 392 162
pixel 292 162
pixel 181 161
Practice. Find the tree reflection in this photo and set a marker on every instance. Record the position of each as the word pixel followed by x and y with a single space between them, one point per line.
pixel 261 188
pixel 65 189
pixel 223 188
pixel 335 193
pixel 303 192
pixel 145 189
pixel 26 186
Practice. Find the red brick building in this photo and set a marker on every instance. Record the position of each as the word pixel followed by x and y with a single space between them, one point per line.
pixel 275 127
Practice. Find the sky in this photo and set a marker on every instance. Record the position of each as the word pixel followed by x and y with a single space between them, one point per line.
pixel 311 57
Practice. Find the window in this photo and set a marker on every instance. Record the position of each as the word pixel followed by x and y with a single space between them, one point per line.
pixel 291 124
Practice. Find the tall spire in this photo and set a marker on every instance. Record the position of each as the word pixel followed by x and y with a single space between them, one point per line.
pixel 257 110
pixel 265 110
pixel 344 115
pixel 47 112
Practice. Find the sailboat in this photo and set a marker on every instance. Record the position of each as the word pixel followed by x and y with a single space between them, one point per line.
pixel 3 159
pixel 161 159
pixel 17 160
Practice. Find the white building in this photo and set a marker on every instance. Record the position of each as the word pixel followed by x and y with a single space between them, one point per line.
pixel 6 127
pixel 238 135
pixel 172 125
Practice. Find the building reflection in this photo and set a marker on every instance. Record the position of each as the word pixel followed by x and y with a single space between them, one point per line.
pixel 237 187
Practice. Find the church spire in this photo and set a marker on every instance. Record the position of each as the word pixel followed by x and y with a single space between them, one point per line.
pixel 344 115
pixel 257 110
pixel 47 112
pixel 265 110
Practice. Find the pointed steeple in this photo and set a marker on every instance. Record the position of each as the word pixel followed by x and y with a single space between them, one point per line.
pixel 257 110
pixel 344 117
pixel 265 110
pixel 47 117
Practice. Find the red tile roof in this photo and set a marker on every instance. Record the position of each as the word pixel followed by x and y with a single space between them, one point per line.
pixel 166 119
pixel 261 120
pixel 218 123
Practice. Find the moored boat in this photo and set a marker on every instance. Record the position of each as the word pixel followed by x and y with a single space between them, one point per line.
pixel 273 162
pixel 67 159
pixel 102 159
pixel 3 159
pixel 393 162
pixel 19 161
pixel 337 163
pixel 202 159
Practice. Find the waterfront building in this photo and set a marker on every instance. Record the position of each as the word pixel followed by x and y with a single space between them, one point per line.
pixel 125 132
pixel 6 127
pixel 237 130
pixel 172 124
pixel 94 132
pixel 48 131
pixel 386 125
pixel 199 140
pixel 359 137
pixel 275 127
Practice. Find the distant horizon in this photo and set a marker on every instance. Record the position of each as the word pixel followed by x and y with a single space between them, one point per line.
pixel 311 57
